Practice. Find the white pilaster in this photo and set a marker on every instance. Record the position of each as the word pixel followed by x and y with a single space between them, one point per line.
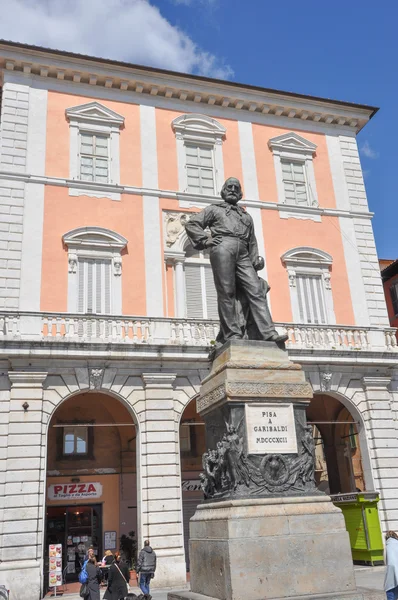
pixel 32 239
pixel 161 501
pixel 365 242
pixel 383 443
pixel 152 229
pixel 250 186
pixel 351 253
pixel 24 502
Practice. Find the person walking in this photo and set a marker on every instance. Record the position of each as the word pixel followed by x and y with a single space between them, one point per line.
pixel 146 566
pixel 391 577
pixel 118 579
pixel 94 579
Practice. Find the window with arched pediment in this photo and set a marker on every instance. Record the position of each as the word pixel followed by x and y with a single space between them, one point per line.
pixel 95 269
pixel 309 273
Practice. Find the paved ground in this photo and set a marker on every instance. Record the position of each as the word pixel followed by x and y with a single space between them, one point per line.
pixel 367 577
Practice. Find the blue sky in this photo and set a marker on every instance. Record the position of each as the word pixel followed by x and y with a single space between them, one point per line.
pixel 342 50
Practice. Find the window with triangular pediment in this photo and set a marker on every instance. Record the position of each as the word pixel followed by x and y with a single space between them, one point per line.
pixel 295 176
pixel 94 152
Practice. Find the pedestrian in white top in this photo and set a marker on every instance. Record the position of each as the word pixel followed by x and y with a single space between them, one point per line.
pixel 391 578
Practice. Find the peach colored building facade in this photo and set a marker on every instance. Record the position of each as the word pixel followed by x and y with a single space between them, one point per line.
pixel 101 164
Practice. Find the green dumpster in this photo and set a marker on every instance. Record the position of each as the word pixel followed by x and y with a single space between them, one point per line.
pixel 363 526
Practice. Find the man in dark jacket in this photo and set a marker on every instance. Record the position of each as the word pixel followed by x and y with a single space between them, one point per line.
pixel 146 566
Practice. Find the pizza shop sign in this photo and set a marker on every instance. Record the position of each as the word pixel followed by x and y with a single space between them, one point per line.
pixel 69 491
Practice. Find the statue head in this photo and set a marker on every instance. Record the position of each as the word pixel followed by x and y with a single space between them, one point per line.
pixel 231 191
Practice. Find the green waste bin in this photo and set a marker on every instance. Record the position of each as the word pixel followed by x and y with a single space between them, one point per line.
pixel 363 526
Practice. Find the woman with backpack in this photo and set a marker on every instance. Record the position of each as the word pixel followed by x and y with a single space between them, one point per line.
pixel 118 579
pixel 90 590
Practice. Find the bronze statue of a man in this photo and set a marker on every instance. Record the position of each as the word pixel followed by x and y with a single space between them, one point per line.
pixel 235 261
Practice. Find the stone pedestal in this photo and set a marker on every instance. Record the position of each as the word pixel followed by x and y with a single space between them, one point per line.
pixel 264 530
pixel 270 548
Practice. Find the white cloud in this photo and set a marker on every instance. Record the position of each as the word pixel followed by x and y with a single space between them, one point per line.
pixel 127 30
pixel 367 151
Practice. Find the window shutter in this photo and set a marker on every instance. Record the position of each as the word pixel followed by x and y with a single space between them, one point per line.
pixel 200 169
pixel 89 292
pixel 193 292
pixel 107 285
pixel 211 294
pixel 294 182
pixel 311 299
pixel 94 286
pixel 81 286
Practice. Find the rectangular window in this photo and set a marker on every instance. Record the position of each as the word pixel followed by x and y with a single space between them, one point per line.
pixel 394 297
pixel 200 169
pixel 200 291
pixel 185 438
pixel 75 441
pixel 352 436
pixel 94 286
pixel 294 182
pixel 94 157
pixel 311 299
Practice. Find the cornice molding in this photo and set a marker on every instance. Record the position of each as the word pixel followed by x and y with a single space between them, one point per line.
pixel 77 70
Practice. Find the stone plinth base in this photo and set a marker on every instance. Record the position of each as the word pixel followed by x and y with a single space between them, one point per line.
pixel 359 594
pixel 270 548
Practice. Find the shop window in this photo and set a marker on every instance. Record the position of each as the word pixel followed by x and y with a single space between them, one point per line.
pixel 200 291
pixel 394 297
pixel 75 441
pixel 309 274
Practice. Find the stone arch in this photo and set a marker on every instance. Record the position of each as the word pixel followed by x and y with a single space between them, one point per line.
pixel 349 404
pixel 57 393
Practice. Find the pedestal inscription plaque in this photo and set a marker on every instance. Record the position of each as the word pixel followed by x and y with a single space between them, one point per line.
pixel 270 429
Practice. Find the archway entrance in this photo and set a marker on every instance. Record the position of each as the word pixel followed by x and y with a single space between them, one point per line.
pixel 338 459
pixel 192 447
pixel 91 491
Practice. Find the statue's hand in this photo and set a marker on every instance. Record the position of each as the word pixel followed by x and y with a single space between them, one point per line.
pixel 211 242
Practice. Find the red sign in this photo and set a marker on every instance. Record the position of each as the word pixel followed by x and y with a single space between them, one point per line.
pixel 69 491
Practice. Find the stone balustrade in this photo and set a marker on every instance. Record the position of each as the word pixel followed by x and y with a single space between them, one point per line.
pixel 78 328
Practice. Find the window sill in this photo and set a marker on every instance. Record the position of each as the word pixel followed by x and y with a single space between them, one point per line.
pixel 95 191
pixel 294 212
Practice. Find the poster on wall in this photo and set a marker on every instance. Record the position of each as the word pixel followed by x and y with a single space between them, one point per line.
pixel 55 565
pixel 110 540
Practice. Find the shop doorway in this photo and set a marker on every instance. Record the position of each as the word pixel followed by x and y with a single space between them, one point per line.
pixel 91 489
pixel 192 447
pixel 77 528
pixel 338 459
